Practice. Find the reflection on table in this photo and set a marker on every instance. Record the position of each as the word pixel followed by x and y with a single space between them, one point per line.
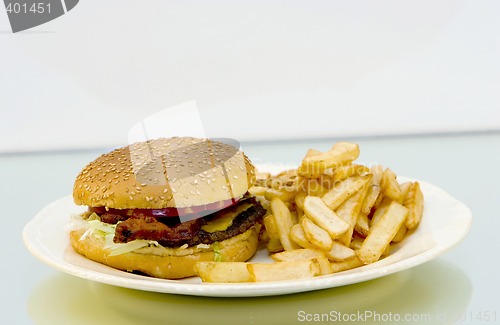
pixel 436 292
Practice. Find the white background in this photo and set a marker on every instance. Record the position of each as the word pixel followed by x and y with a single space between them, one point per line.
pixel 257 70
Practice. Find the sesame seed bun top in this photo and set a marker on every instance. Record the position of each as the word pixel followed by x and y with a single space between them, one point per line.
pixel 163 173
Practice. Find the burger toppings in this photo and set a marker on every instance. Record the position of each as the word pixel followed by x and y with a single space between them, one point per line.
pixel 115 215
pixel 215 227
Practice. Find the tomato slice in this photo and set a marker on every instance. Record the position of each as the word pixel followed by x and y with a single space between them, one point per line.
pixel 169 212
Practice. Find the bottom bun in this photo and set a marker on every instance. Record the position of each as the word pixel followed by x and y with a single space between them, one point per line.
pixel 177 263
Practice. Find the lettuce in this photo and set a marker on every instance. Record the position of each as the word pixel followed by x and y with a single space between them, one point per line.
pixel 107 231
pixel 104 228
pixel 217 252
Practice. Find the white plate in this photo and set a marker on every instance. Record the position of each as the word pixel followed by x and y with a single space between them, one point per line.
pixel 445 223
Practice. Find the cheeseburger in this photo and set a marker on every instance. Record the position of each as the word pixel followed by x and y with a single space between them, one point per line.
pixel 158 207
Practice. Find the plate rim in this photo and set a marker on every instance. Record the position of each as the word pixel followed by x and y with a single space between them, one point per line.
pixel 242 289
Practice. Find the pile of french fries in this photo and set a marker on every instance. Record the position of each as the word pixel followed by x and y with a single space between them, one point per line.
pixel 326 216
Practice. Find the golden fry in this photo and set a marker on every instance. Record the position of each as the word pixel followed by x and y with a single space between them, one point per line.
pixel 263 272
pixel 390 186
pixel 414 201
pixel 284 223
pixel 341 191
pixel 380 211
pixel 341 153
pixel 362 225
pixel 297 254
pixel 350 170
pixel 298 236
pixel 382 233
pixel 222 271
pixel 346 265
pixel 350 209
pixel 373 193
pixel 283 195
pixel 401 234
pixel 316 235
pixel 324 265
pixel 257 190
pixel 323 216
pixel 339 252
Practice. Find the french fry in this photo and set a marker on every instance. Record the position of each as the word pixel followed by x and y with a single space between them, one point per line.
pixel 346 147
pixel 322 215
pixel 390 186
pixel 380 211
pixel 382 233
pixel 263 272
pixel 316 235
pixel 356 242
pixel 341 191
pixel 400 235
pixel 222 271
pixel 350 209
pixel 285 181
pixel 414 201
pixel 405 188
pixel 346 265
pixel 350 170
pixel 310 171
pixel 297 254
pixel 378 201
pixel 263 236
pixel 284 223
pixel 387 250
pixel 283 195
pixel 298 236
pixel 341 153
pixel 374 190
pixel 274 245
pixel 362 225
pixel 339 252
pixel 327 181
pixel 270 225
pixel 299 213
pixel 324 265
pixel 299 199
pixel 294 217
pixel 257 190
pixel 312 152
pixel 315 187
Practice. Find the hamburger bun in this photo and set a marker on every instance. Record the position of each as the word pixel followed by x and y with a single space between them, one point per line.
pixel 166 172
pixel 163 262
